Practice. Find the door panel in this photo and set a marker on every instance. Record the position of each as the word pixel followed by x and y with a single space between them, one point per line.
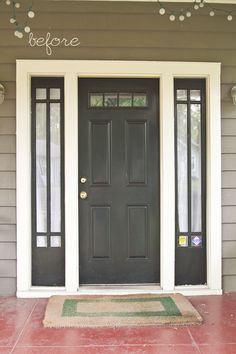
pixel 136 152
pixel 138 240
pixel 101 232
pixel 100 150
pixel 118 155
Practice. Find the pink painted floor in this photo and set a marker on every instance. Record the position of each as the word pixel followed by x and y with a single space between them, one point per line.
pixel 21 332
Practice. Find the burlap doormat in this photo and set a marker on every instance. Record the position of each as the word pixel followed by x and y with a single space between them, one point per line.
pixel 116 311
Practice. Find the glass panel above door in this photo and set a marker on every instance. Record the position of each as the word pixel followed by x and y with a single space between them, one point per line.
pixel 110 99
pixel 118 100
pixel 139 100
pixel 125 100
pixel 95 100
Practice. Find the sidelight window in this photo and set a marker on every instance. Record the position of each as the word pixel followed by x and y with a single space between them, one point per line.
pixel 47 180
pixel 190 179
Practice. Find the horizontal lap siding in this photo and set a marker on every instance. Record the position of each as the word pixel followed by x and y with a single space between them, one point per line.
pixel 8 180
pixel 118 31
pixel 228 180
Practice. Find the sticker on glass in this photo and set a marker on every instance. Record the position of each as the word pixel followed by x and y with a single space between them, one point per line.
pixel 183 241
pixel 196 241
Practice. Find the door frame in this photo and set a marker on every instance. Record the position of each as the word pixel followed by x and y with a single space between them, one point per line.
pixel 71 70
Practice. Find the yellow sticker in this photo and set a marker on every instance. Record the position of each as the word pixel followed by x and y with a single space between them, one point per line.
pixel 183 241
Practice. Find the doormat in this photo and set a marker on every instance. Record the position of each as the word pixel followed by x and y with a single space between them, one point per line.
pixel 117 311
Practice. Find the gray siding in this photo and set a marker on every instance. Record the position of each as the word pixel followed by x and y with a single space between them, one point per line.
pixel 228 181
pixel 119 31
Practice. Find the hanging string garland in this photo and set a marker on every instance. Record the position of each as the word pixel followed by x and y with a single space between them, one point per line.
pixel 20 28
pixel 187 12
pixel 181 15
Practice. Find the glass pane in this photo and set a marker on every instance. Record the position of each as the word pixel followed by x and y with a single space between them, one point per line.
pixel 55 93
pixel 140 100
pixel 195 95
pixel 96 100
pixel 182 173
pixel 110 100
pixel 55 241
pixel 196 188
pixel 42 241
pixel 41 94
pixel 41 168
pixel 55 164
pixel 125 100
pixel 182 95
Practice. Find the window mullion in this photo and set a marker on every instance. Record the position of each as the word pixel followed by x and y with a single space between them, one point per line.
pixel 189 206
pixel 48 171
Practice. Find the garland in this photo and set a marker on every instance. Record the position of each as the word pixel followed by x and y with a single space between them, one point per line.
pixel 181 15
pixel 187 12
pixel 20 27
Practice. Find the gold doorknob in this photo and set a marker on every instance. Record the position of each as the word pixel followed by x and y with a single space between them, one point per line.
pixel 83 195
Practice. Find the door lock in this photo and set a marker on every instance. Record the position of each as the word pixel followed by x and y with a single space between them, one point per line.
pixel 83 179
pixel 83 195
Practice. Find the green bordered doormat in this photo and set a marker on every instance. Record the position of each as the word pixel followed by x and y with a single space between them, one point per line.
pixel 117 311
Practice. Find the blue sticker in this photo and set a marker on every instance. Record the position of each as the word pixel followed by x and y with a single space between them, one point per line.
pixel 196 241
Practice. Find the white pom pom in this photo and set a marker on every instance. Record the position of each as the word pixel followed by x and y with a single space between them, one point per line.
pixel 162 11
pixel 31 14
pixel 27 29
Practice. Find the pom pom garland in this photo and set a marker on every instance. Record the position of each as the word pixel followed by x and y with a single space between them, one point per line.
pixel 196 5
pixel 20 28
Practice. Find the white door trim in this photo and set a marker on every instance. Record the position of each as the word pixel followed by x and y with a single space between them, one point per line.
pixel 166 71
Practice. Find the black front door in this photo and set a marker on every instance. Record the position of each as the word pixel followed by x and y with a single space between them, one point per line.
pixel 119 173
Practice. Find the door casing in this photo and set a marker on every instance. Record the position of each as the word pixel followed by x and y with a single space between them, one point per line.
pixel 166 71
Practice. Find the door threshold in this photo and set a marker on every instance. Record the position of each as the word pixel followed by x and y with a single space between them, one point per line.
pixel 119 289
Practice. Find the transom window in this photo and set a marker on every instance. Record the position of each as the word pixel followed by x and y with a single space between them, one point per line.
pixel 118 99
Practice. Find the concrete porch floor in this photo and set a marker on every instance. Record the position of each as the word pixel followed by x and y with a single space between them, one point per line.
pixel 21 332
